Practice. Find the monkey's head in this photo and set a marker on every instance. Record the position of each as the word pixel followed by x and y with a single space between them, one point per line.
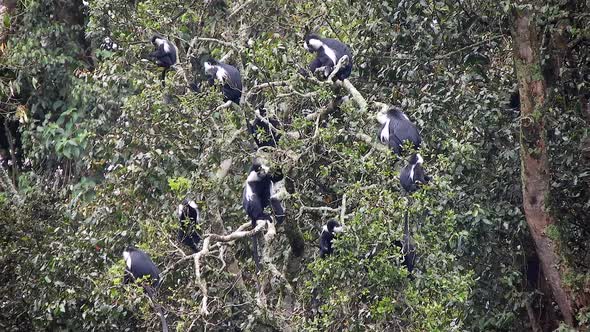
pixel 312 42
pixel 157 39
pixel 210 66
pixel 333 226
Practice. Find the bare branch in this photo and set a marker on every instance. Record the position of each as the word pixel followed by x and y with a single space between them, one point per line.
pixel 318 208
pixel 200 282
pixel 269 84
pixel 237 234
pixel 225 105
pixel 448 55
pixel 226 56
pixel 356 95
pixel 370 141
pixel 240 7
pixel 264 86
pixel 221 42
pixel 343 209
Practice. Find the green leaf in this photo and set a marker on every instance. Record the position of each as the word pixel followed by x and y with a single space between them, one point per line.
pixel 6 20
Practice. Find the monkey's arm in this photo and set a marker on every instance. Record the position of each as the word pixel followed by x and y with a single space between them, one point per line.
pixel 158 53
pixel 395 143
pixel 420 176
pixel 126 276
pixel 315 64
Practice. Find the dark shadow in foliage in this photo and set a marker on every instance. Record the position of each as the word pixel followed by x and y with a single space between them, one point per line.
pixel 262 132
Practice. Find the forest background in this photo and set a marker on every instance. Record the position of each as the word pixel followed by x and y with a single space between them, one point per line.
pixel 105 154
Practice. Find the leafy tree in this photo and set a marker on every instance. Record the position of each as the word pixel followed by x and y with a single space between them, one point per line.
pixel 110 153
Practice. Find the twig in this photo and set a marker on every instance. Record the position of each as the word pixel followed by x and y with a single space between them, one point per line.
pixel 221 42
pixel 226 56
pixel 263 86
pixel 295 92
pixel 370 141
pixel 317 208
pixel 343 209
pixel 239 8
pixel 448 55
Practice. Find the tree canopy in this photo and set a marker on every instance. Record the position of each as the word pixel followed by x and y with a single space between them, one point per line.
pixel 101 155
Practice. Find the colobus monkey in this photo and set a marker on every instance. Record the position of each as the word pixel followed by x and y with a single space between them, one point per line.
pixel 396 129
pixel 188 216
pixel 408 249
pixel 138 266
pixel 412 176
pixel 229 76
pixel 165 55
pixel 259 193
pixel 263 134
pixel 328 234
pixel 328 53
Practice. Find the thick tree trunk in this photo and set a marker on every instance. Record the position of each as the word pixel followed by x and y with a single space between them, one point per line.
pixel 533 155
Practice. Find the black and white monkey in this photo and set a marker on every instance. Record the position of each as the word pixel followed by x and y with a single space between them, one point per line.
pixel 412 176
pixel 259 193
pixel 263 134
pixel 165 55
pixel 328 53
pixel 328 235
pixel 229 76
pixel 140 266
pixel 188 216
pixel 397 128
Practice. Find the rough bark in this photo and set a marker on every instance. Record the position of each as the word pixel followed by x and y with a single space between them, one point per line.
pixel 534 161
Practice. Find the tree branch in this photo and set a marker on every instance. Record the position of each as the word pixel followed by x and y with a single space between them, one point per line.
pixel 356 95
pixel 225 105
pixel 219 41
pixel 448 55
pixel 238 234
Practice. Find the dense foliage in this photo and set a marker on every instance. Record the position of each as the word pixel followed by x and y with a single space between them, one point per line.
pixel 110 153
